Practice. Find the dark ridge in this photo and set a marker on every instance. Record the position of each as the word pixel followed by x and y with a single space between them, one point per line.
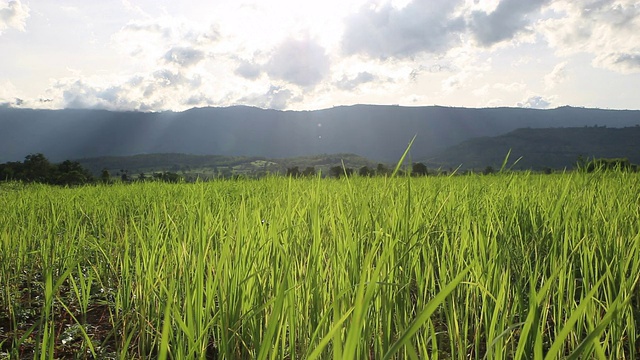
pixel 377 132
pixel 554 148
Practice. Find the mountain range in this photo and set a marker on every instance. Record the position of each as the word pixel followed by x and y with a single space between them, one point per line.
pixel 539 149
pixel 378 132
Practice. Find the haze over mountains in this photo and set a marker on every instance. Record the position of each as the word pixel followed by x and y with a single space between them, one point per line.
pixel 380 133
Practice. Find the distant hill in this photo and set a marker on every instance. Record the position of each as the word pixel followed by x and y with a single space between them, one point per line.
pixel 554 148
pixel 379 133
pixel 207 166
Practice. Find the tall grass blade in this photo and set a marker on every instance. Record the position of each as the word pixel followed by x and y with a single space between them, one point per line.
pixel 404 155
pixel 405 338
pixel 337 327
pixel 555 348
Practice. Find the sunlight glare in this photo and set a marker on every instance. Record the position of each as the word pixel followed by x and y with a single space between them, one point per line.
pixel 267 23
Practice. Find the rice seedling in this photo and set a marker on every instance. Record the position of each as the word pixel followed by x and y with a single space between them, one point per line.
pixel 515 265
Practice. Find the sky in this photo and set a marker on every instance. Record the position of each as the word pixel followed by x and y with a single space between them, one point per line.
pixel 158 55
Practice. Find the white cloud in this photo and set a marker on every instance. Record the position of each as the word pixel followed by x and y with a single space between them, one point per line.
pixel 436 26
pixel 165 39
pixel 508 19
pixel 467 64
pixel 133 8
pixel 275 98
pixel 300 62
pixel 535 102
pixel 455 82
pixel 170 66
pixel 609 30
pixel 386 31
pixel 184 56
pixel 159 90
pixel 248 70
pixel 363 77
pixel 141 54
pixel 556 76
pixel 13 15
pixel 175 65
pixel 8 92
pixel 626 63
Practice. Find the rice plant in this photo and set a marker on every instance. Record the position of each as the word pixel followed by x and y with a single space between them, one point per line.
pixel 515 265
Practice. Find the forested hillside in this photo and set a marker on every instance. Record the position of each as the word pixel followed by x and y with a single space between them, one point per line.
pixel 553 148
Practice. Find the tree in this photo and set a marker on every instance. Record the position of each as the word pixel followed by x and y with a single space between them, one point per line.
pixel 168 176
pixel 488 170
pixel 309 171
pixel 336 171
pixel 72 173
pixel 11 171
pixel 293 171
pixel 171 177
pixel 381 170
pixel 105 177
pixel 37 168
pixel 419 169
pixel 621 164
pixel 365 171
pixel 348 171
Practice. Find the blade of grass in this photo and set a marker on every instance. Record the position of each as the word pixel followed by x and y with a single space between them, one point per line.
pixel 274 323
pixel 555 348
pixel 337 326
pixel 425 314
pixel 404 155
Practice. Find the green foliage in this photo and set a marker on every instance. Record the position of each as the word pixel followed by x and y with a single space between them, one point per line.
pixel 293 171
pixel 515 265
pixel 168 176
pixel 419 169
pixel 210 167
pixel 340 171
pixel 105 176
pixel 382 170
pixel 365 171
pixel 622 164
pixel 309 171
pixel 489 170
pixel 37 168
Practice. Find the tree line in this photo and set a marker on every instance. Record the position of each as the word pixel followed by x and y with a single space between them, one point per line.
pixel 604 164
pixel 37 168
pixel 417 169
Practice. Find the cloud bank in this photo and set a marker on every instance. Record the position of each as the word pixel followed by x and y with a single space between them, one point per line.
pixel 386 31
pixel 13 15
pixel 510 18
pixel 450 52
pixel 608 30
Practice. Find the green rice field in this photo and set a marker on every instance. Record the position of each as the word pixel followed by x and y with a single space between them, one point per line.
pixel 508 266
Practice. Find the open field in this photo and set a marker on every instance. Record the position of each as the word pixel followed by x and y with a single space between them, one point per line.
pixel 505 266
